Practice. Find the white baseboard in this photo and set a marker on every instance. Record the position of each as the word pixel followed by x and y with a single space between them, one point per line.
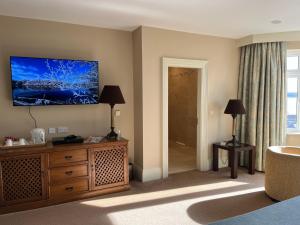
pixel 152 174
pixel 145 175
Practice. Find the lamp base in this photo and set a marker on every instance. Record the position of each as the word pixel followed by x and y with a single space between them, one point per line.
pixel 112 135
pixel 233 142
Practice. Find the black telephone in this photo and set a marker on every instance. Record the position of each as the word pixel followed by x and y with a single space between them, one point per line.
pixel 67 140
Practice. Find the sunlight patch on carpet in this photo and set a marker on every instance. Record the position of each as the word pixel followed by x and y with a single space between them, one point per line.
pixel 159 195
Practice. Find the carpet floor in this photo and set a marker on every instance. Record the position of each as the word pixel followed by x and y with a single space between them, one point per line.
pixel 186 198
pixel 181 158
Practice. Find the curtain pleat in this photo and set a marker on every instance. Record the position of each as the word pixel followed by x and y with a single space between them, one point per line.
pixel 262 88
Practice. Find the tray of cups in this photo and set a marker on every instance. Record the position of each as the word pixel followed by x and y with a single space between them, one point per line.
pixel 12 142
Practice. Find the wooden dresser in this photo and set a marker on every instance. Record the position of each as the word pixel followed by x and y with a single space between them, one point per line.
pixel 32 177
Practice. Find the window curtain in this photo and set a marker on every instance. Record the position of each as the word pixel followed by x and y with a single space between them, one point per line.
pixel 262 89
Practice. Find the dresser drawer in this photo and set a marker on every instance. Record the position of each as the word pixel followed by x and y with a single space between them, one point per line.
pixel 62 157
pixel 76 186
pixel 62 173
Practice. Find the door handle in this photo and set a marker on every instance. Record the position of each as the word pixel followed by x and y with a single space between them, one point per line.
pixel 69 173
pixel 68 157
pixel 69 188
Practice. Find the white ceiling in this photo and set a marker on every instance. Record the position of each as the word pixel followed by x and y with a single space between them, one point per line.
pixel 227 18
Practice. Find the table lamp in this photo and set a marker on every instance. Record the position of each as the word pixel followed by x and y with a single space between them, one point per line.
pixel 111 94
pixel 234 107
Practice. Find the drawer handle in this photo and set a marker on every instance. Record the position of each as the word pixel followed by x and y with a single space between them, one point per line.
pixel 69 188
pixel 68 157
pixel 68 173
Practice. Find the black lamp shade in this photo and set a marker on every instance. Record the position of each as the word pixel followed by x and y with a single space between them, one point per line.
pixel 234 107
pixel 111 94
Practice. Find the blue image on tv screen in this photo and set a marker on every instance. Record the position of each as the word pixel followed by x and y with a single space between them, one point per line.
pixel 42 81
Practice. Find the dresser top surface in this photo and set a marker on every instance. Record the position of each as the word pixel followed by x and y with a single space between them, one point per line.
pixel 49 147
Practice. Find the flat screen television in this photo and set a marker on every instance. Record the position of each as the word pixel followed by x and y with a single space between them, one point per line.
pixel 44 81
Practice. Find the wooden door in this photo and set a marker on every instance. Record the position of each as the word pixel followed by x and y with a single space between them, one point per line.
pixel 109 166
pixel 22 179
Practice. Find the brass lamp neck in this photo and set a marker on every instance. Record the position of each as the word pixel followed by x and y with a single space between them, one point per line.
pixel 233 123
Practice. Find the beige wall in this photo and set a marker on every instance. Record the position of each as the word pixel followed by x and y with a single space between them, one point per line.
pixel 222 55
pixel 293 139
pixel 138 98
pixel 183 105
pixel 293 45
pixel 25 37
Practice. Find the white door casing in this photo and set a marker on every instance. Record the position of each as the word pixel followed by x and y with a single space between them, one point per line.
pixel 202 112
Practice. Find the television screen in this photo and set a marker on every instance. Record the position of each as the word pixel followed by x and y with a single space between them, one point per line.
pixel 43 81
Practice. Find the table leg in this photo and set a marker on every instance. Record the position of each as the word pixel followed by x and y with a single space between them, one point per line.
pixel 229 159
pixel 215 158
pixel 252 156
pixel 234 163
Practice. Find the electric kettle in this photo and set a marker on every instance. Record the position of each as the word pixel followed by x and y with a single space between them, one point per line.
pixel 38 136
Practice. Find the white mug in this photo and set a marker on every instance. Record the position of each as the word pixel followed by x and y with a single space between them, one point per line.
pixel 9 142
pixel 22 141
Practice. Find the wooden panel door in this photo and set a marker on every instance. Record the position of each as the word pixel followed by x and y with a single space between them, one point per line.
pixel 22 179
pixel 109 166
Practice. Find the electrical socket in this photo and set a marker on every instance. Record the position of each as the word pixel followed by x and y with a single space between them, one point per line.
pixel 117 112
pixel 62 130
pixel 52 130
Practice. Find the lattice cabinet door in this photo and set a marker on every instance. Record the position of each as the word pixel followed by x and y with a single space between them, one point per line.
pixel 109 166
pixel 22 179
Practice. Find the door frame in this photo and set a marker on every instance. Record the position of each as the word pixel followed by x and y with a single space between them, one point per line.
pixel 202 113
